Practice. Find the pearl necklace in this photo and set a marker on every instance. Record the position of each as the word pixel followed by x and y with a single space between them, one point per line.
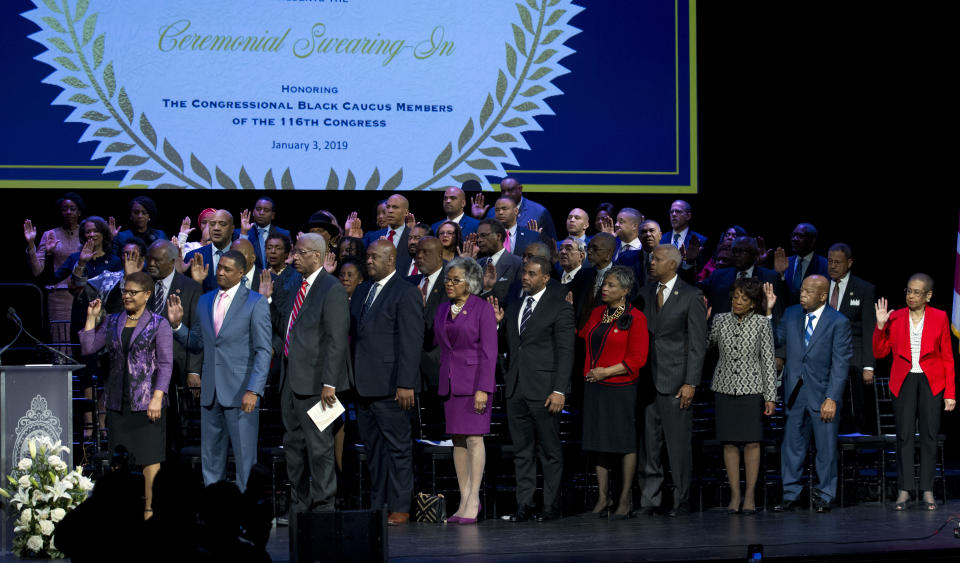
pixel 455 309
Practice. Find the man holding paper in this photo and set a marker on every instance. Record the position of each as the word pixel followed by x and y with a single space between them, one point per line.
pixel 313 323
pixel 233 332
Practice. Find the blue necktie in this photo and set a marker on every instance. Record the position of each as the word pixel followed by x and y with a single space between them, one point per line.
pixel 371 295
pixel 676 240
pixel 808 333
pixel 262 235
pixel 527 311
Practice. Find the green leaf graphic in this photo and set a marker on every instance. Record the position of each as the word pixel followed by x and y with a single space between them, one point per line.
pixel 119 147
pixel 525 18
pixel 504 138
pixel 60 44
pixel 465 135
pixel 443 157
pixel 245 181
pixel 350 183
pixel 75 82
pixel 147 175
pixel 481 164
pixel 533 4
pixel 147 129
pixel 333 181
pixel 82 6
pixel 515 122
pixel 105 131
pixel 224 180
pixel 125 105
pixel 486 111
pixel 286 181
pixel 526 106
pixel 131 160
pixel 461 178
pixel 67 63
pixel 554 33
pixel 540 73
pixel 501 86
pixel 199 169
pixel 54 24
pixel 169 187
pixel 532 91
pixel 52 5
pixel 172 155
pixel 520 39
pixel 268 182
pixel 89 27
pixel 394 181
pixel 109 80
pixel 493 151
pixel 542 58
pixel 98 51
pixel 82 99
pixel 555 16
pixel 96 116
pixel 374 181
pixel 511 61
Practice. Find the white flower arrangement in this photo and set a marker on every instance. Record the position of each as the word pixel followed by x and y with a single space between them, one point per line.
pixel 43 490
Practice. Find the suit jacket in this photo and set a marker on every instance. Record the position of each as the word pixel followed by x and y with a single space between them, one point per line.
pixel 318 348
pixel 508 270
pixel 388 340
pixel 717 288
pixel 403 255
pixel 515 291
pixel 149 358
pixel 667 238
pixel 936 352
pixel 430 359
pixel 189 292
pixel 237 359
pixel 523 238
pixel 584 300
pixel 857 304
pixel 467 224
pixel 206 252
pixel 678 336
pixel 817 265
pixel 530 209
pixel 540 360
pixel 287 282
pixel 253 235
pixel 823 363
pixel 468 354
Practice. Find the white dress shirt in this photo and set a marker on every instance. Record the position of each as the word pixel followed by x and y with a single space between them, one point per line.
pixel 567 277
pixel 843 288
pixel 378 286
pixel 398 232
pixel 668 289
pixel 683 237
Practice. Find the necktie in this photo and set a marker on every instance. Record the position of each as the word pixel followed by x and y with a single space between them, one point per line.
pixel 391 235
pixel 809 331
pixel 423 288
pixel 835 296
pixel 263 246
pixel 676 240
pixel 741 274
pixel 220 313
pixel 506 242
pixel 660 289
pixel 798 274
pixel 158 296
pixel 371 295
pixel 597 283
pixel 245 281
pixel 414 271
pixel 527 311
pixel 216 262
pixel 297 303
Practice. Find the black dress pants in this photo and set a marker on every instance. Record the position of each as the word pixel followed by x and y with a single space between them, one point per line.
pixel 916 403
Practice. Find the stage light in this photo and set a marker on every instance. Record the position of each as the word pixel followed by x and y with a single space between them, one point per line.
pixel 755 552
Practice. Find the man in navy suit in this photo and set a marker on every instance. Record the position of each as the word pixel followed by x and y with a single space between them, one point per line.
pixel 264 212
pixel 386 326
pixel 628 235
pixel 234 334
pixel 681 234
pixel 204 260
pixel 517 237
pixel 396 231
pixel 817 345
pixel 454 203
pixel 744 255
pixel 529 209
pixel 803 263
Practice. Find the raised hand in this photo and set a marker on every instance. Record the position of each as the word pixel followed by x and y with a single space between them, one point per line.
pixel 693 250
pixel 606 224
pixel 114 227
pixel 352 226
pixel 489 276
pixel 93 309
pixel 497 309
pixel 409 220
pixel 770 295
pixel 185 227
pixel 883 314
pixel 780 260
pixel 245 223
pixel 478 209
pixel 533 226
pixel 470 247
pixel 29 232
pixel 763 253
pixel 174 310
pixel 266 283
pixel 330 263
pixel 569 297
pixel 86 253
pixel 132 261
pixel 49 241
pixel 198 270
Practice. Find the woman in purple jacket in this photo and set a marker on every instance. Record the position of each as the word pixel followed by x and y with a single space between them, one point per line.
pixel 465 329
pixel 140 345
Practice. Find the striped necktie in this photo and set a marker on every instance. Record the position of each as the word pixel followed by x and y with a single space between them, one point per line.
pixel 527 311
pixel 297 303
pixel 808 333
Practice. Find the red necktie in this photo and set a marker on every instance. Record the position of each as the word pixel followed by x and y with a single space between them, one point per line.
pixel 414 271
pixel 835 297
pixel 390 236
pixel 423 288
pixel 293 316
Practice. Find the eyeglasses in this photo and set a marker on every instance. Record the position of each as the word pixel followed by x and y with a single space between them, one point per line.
pixel 452 281
pixel 917 292
pixel 303 251
pixel 131 292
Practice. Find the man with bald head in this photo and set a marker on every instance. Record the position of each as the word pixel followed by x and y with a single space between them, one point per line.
pixel 386 327
pixel 204 260
pixel 680 233
pixel 529 209
pixel 396 230
pixel 628 235
pixel 454 203
pixel 251 278
pixel 817 345
pixel 577 222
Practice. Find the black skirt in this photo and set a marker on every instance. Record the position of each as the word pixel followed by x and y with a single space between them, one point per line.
pixel 739 417
pixel 145 440
pixel 610 418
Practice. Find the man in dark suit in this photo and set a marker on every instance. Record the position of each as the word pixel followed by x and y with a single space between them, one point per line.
pixel 802 263
pixel 677 321
pixel 386 325
pixel 539 333
pixel 454 203
pixel 744 253
pixel 816 341
pixel 396 230
pixel 417 232
pixel 854 298
pixel 313 324
pixel 529 209
pixel 233 330
pixel 161 261
pixel 264 211
pixel 501 268
pixel 585 287
pixel 429 281
pixel 204 260
pixel 639 260
pixel 572 253
pixel 517 237
pixel 578 221
pixel 681 235
pixel 252 277
pixel 541 250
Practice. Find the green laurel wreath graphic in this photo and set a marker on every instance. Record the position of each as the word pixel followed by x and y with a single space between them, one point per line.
pixel 83 53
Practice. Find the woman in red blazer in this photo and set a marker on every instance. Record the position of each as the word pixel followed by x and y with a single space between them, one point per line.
pixel 616 342
pixel 921 379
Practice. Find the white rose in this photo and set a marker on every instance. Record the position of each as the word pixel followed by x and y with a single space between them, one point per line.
pixel 54 460
pixel 25 464
pixel 34 543
pixel 24 481
pixel 57 514
pixel 85 483
pixel 46 527
pixel 43 514
pixel 25 516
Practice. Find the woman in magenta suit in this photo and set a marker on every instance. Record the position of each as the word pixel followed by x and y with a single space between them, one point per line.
pixel 465 329
pixel 921 379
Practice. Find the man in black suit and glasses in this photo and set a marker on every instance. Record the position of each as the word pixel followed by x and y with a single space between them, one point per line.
pixel 677 320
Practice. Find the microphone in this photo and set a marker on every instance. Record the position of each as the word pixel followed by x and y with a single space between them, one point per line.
pixel 12 315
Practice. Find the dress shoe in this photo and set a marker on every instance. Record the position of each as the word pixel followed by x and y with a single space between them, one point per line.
pixel 678 512
pixel 548 515
pixel 786 506
pixel 397 518
pixel 523 514
pixel 820 506
pixel 644 511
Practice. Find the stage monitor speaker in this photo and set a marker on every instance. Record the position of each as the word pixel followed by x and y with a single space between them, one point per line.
pixel 349 535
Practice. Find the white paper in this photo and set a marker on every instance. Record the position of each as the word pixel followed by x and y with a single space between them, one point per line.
pixel 322 417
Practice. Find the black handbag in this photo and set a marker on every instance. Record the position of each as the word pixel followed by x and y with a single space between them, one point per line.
pixel 431 508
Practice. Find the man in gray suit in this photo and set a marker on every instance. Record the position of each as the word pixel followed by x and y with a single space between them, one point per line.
pixel 677 320
pixel 234 334
pixel 313 322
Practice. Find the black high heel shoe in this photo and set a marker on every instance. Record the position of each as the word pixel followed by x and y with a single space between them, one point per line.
pixel 614 516
pixel 603 512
